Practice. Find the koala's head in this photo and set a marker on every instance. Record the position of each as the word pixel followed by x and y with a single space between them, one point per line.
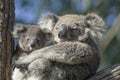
pixel 71 27
pixel 31 37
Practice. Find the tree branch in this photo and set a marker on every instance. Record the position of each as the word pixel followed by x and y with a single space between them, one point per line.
pixel 111 73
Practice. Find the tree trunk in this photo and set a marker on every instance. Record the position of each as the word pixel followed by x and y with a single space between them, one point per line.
pixel 111 73
pixel 6 41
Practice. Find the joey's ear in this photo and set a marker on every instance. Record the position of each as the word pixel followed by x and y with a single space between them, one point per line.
pixel 49 35
pixel 45 30
pixel 19 28
pixel 48 21
pixel 95 22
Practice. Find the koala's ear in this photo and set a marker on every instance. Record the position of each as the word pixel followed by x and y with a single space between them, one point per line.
pixel 92 20
pixel 48 21
pixel 19 28
pixel 95 26
pixel 95 23
pixel 49 35
pixel 45 30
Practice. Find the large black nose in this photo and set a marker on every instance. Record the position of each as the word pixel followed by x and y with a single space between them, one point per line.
pixel 62 32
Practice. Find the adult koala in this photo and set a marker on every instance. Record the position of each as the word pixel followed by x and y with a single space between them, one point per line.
pixel 76 56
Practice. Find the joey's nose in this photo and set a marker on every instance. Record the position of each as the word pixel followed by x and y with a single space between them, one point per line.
pixel 62 32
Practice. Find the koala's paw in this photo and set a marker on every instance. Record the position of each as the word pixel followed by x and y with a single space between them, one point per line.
pixel 19 64
pixel 23 60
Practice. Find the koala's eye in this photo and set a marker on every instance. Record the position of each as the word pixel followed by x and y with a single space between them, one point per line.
pixel 77 24
pixel 27 38
pixel 56 28
pixel 23 36
pixel 77 31
pixel 63 25
pixel 74 30
pixel 38 39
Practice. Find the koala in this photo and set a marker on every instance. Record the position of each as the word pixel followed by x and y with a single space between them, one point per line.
pixel 74 27
pixel 76 54
pixel 30 38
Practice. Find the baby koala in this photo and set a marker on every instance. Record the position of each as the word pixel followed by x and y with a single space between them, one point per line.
pixel 30 38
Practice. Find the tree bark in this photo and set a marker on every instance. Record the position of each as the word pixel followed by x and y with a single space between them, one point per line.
pixel 111 73
pixel 6 41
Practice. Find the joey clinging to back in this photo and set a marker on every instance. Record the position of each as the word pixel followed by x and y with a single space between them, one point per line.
pixel 74 27
pixel 31 37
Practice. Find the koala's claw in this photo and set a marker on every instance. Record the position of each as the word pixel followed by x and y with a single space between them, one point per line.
pixel 22 66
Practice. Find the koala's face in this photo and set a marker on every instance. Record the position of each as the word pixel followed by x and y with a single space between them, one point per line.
pixel 68 28
pixel 31 37
pixel 74 27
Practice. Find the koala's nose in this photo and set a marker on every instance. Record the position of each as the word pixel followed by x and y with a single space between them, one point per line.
pixel 62 32
pixel 32 45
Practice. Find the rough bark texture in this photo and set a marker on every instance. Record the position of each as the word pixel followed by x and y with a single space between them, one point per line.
pixel 6 42
pixel 111 73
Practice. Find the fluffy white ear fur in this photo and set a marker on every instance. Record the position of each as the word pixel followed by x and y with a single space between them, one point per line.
pixel 17 75
pixel 95 22
pixel 48 24
pixel 96 27
pixel 48 21
pixel 19 28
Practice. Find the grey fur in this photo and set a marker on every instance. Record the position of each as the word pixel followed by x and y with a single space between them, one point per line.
pixel 30 38
pixel 70 59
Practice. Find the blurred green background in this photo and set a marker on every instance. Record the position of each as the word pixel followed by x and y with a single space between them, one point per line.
pixel 29 11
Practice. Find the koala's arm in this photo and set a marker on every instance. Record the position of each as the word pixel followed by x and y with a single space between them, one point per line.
pixel 66 52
